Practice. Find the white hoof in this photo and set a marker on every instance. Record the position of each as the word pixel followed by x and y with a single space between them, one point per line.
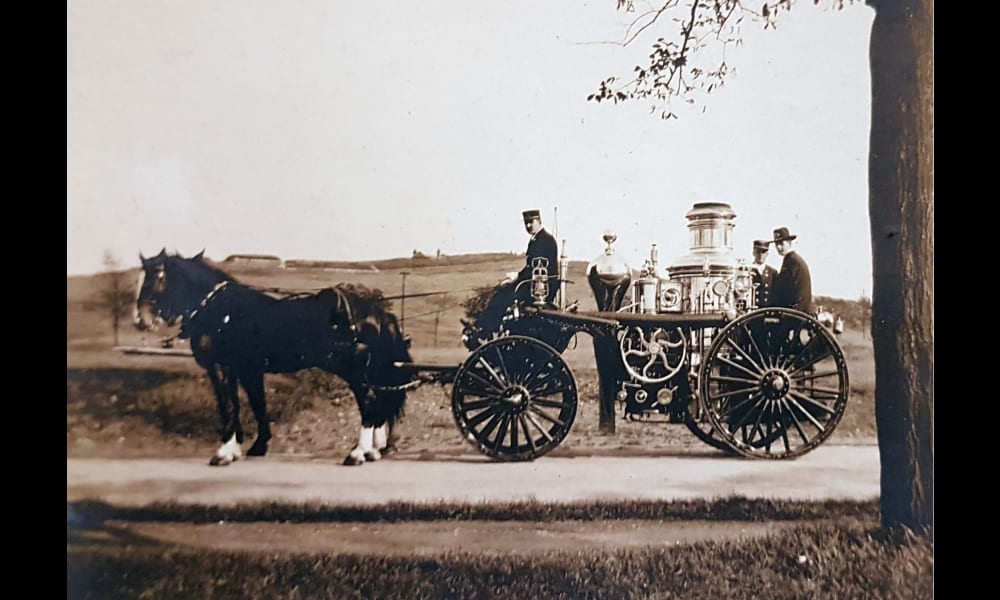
pixel 220 461
pixel 356 457
pixel 227 454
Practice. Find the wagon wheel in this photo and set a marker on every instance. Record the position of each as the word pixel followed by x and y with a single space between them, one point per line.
pixel 774 384
pixel 697 420
pixel 700 425
pixel 654 355
pixel 514 398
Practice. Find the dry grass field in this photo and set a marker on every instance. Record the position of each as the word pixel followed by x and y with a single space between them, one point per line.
pixel 136 405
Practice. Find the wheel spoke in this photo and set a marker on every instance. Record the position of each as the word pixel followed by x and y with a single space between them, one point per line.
pixel 513 432
pixel 795 421
pixel 550 403
pixel 827 353
pixel 756 424
pixel 812 401
pixel 476 405
pixel 492 411
pixel 816 375
pixel 532 372
pixel 503 367
pixel 835 392
pixel 749 411
pixel 807 415
pixel 546 416
pixel 753 342
pixel 731 379
pixel 538 426
pixel 732 408
pixel 787 343
pixel 489 369
pixel 527 432
pixel 735 392
pixel 484 434
pixel 744 354
pixel 549 388
pixel 784 428
pixel 502 433
pixel 737 366
pixel 488 387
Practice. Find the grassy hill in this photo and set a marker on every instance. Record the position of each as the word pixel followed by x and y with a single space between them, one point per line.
pixel 439 286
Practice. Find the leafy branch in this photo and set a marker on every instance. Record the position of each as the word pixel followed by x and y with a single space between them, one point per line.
pixel 672 73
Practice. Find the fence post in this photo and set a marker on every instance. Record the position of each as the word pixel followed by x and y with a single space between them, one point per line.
pixel 402 304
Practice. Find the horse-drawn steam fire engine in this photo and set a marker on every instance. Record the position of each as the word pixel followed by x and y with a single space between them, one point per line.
pixel 682 344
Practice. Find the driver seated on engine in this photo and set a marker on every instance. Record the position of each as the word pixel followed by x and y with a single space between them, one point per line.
pixel 516 285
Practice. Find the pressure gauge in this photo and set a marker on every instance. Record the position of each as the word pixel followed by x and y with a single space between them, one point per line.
pixel 720 288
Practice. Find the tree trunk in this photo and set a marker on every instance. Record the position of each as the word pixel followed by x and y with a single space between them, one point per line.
pixel 901 206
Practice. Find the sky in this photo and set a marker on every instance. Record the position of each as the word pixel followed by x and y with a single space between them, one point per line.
pixel 317 129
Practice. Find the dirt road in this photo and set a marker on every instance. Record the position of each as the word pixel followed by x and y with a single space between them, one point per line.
pixel 842 472
pixel 837 472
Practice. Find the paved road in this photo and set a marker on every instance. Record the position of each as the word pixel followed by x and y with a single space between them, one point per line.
pixel 829 472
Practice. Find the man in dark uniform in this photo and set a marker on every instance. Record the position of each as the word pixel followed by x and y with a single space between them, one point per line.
pixel 792 286
pixel 541 245
pixel 761 273
pixel 517 284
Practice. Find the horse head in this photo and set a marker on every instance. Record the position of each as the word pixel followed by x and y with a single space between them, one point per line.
pixel 170 287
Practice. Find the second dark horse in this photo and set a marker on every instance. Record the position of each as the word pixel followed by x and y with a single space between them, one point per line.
pixel 238 334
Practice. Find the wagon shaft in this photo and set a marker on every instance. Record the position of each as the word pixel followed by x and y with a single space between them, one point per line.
pixel 429 373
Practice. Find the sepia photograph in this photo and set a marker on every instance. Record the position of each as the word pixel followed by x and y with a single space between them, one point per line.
pixel 565 299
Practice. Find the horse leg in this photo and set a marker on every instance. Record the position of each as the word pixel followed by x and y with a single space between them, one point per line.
pixel 253 383
pixel 380 438
pixel 385 438
pixel 227 396
pixel 365 450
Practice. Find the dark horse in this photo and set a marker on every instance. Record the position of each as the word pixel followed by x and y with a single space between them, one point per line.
pixel 238 334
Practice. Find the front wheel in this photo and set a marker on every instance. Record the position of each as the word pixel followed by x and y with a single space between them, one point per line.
pixel 514 398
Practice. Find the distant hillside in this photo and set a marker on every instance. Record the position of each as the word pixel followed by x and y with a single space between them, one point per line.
pixel 400 263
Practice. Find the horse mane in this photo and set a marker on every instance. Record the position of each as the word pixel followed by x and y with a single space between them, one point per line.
pixel 198 271
pixel 365 300
pixel 209 269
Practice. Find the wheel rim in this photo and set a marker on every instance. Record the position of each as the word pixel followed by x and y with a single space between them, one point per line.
pixel 774 384
pixel 514 398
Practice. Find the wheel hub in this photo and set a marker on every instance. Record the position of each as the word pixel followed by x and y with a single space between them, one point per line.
pixel 516 398
pixel 775 384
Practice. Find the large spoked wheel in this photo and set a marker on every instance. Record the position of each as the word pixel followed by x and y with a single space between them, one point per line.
pixel 774 384
pixel 514 398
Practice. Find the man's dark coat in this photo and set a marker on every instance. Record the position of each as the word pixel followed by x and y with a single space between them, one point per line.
pixel 792 286
pixel 542 245
pixel 762 280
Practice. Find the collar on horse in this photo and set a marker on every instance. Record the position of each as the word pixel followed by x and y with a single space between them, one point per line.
pixel 189 317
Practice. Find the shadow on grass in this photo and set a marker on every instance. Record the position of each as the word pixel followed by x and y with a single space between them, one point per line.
pixel 181 404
